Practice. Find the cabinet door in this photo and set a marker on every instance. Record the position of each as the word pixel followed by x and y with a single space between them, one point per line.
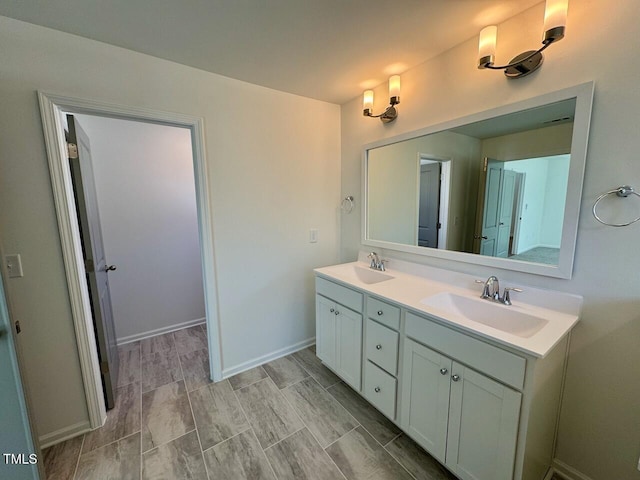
pixel 426 381
pixel 483 426
pixel 326 331
pixel 349 346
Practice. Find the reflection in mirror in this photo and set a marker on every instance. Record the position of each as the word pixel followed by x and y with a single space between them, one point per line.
pixel 495 187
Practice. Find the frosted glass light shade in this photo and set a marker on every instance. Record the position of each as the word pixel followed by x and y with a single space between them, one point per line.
pixel 555 20
pixel 367 101
pixel 394 89
pixel 487 45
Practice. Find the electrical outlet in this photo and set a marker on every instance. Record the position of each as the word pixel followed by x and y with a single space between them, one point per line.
pixel 313 235
pixel 14 265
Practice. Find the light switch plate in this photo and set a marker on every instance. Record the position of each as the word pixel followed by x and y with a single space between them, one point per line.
pixel 14 265
pixel 313 235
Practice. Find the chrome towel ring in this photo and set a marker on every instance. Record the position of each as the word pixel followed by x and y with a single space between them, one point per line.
pixel 623 191
pixel 347 204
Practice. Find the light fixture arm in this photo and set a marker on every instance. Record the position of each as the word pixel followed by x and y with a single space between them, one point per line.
pixel 389 115
pixel 515 63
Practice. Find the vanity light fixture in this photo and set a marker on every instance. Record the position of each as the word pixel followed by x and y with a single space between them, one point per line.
pixel 390 114
pixel 555 20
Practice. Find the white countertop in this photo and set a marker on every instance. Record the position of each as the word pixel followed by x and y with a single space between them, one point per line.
pixel 412 283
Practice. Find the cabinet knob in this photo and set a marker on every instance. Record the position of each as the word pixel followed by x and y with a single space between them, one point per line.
pixel 332 310
pixel 444 371
pixel 377 389
pixel 337 312
pixel 455 378
pixel 378 347
pixel 380 312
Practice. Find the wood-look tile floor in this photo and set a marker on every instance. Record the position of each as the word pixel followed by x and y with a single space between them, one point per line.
pixel 291 418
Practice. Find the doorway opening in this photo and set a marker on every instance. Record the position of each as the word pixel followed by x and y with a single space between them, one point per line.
pixel 53 109
pixel 434 186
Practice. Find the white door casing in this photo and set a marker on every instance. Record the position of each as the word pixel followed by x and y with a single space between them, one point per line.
pixel 51 108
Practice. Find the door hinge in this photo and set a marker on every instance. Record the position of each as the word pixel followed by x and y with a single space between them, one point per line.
pixel 104 368
pixel 439 225
pixel 486 161
pixel 18 328
pixel 88 265
pixel 72 150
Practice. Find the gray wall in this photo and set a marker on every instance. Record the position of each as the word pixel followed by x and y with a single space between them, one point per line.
pixel 270 183
pixel 599 431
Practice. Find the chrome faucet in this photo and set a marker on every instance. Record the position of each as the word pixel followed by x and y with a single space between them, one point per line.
pixel 491 291
pixel 376 263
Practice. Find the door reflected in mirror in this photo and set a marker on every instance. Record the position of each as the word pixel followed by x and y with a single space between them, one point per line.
pixel 495 187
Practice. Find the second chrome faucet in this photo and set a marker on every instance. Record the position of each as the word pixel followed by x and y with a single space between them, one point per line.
pixel 491 291
pixel 376 263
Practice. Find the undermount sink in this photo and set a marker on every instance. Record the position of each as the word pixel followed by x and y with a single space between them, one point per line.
pixel 364 275
pixel 501 317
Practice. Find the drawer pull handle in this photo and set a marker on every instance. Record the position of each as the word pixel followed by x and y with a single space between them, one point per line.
pixel 444 371
pixel 377 389
pixel 380 312
pixel 455 378
pixel 378 347
pixel 332 310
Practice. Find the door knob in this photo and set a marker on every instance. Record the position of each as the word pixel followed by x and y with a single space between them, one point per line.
pixel 478 237
pixel 110 268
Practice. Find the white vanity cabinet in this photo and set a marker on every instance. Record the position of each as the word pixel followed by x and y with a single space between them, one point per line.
pixel 465 419
pixel 339 330
pixel 484 409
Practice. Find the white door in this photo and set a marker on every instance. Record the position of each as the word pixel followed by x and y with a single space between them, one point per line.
pixel 349 346
pixel 15 434
pixel 491 211
pixel 505 216
pixel 96 267
pixel 426 381
pixel 429 205
pixel 483 426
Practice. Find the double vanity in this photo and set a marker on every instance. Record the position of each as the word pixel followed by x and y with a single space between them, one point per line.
pixel 475 382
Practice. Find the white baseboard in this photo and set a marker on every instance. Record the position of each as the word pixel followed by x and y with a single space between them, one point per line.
pixel 159 331
pixel 63 434
pixel 567 472
pixel 243 367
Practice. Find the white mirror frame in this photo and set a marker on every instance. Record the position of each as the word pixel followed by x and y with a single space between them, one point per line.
pixel 583 94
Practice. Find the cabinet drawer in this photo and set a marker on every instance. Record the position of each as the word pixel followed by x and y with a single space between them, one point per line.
pixel 498 363
pixel 343 295
pixel 383 312
pixel 382 346
pixel 380 389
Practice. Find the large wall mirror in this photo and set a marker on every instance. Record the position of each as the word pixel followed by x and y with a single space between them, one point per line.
pixel 499 188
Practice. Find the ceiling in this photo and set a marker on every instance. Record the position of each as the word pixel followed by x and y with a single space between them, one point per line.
pixel 330 50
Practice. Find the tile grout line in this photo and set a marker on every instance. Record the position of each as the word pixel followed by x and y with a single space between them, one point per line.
pixel 227 439
pixel 309 430
pixel 251 426
pixel 195 425
pixel 249 384
pixel 75 470
pixel 173 439
pixel 365 428
pixel 380 443
pixel 397 459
